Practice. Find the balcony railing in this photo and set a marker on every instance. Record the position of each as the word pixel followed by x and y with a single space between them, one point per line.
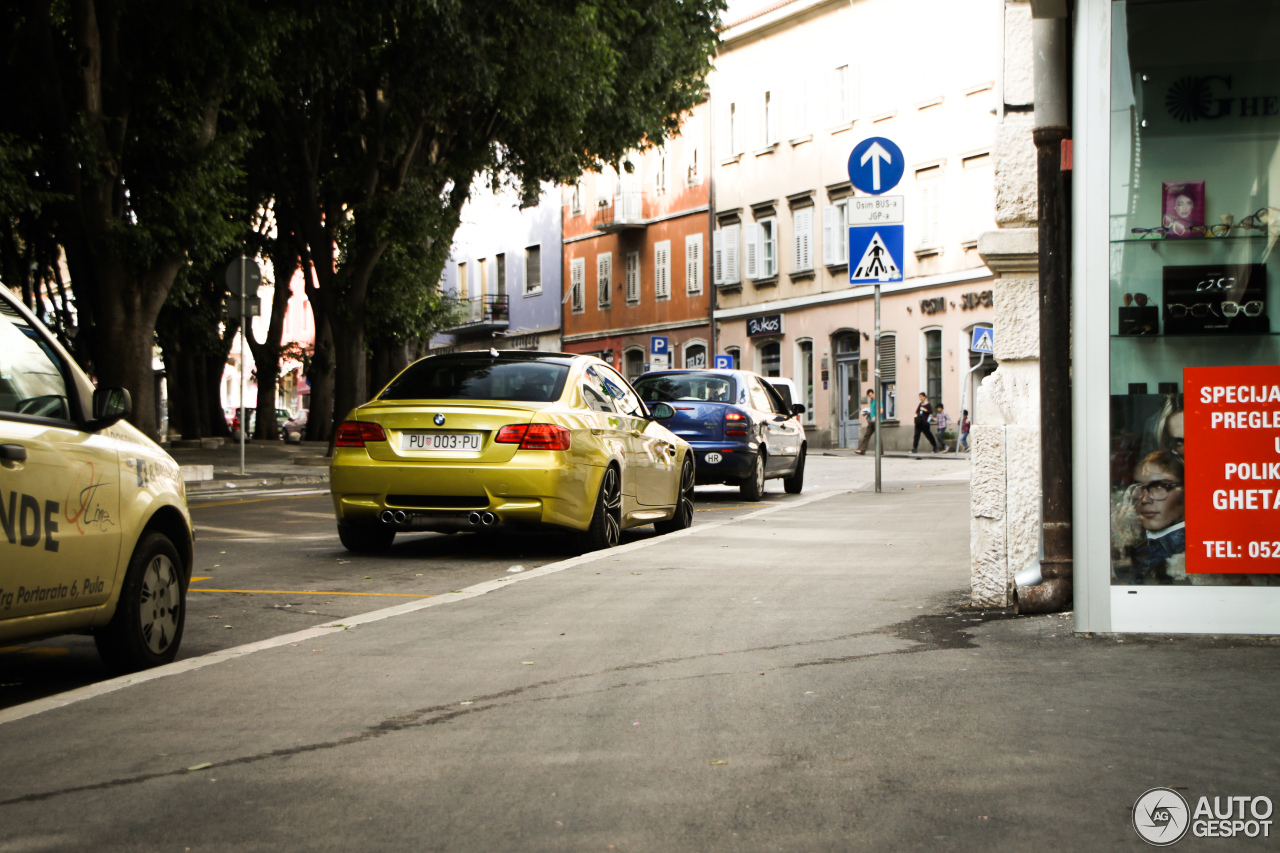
pixel 483 313
pixel 622 210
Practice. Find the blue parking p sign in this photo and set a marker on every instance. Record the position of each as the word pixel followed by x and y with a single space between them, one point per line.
pixel 659 345
pixel 724 362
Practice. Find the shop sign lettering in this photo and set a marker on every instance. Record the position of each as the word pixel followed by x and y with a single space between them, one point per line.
pixel 770 324
pixel 936 305
pixel 1232 434
pixel 969 301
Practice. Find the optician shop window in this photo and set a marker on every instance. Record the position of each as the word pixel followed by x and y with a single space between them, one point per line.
pixel 1194 272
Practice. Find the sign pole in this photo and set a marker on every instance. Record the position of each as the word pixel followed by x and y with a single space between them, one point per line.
pixel 879 418
pixel 244 422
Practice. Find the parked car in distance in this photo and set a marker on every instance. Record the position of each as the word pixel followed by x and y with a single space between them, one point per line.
pixel 233 419
pixel 477 440
pixel 741 431
pixel 95 537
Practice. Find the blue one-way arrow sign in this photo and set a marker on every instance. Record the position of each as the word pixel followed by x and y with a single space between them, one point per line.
pixel 876 165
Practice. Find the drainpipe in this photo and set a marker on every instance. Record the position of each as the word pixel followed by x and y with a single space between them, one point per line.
pixel 710 255
pixel 1052 129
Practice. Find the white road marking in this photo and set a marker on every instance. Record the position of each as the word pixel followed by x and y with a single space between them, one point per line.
pixel 102 688
pixel 205 528
pixel 327 516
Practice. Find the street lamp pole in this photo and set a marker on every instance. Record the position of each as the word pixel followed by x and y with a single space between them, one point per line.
pixel 244 422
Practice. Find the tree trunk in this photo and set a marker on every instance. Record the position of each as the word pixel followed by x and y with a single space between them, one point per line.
pixel 320 378
pixel 266 355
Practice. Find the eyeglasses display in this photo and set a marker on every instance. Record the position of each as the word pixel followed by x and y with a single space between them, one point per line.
pixel 1157 490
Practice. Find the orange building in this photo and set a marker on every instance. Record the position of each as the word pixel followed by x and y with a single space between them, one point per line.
pixel 637 257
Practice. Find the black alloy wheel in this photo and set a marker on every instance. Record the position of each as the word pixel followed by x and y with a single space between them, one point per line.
pixel 683 517
pixel 605 530
pixel 795 483
pixel 752 488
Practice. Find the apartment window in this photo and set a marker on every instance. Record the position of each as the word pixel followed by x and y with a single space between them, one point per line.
pixel 841 86
pixel 500 274
pixel 796 113
pixel 771 359
pixel 695 356
pixel 575 199
pixel 733 129
pixel 735 354
pixel 662 270
pixel 933 366
pixel 604 185
pixel 980 194
pixel 532 270
pixel 577 284
pixel 724 246
pixel 769 119
pixel 802 225
pixel 633 277
pixel 762 248
pixel 693 263
pixel 604 275
pixel 483 284
pixel 691 133
pixel 887 363
pixel 660 180
pixel 835 233
pixel 806 379
pixel 462 280
pixel 929 182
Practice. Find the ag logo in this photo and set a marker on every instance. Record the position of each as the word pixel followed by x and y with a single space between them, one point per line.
pixel 1161 817
pixel 439 419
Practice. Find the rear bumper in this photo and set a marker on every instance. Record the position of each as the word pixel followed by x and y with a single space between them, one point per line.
pixel 535 487
pixel 735 463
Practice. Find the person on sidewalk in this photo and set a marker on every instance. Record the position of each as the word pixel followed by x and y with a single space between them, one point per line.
pixel 943 421
pixel 965 423
pixel 924 415
pixel 869 423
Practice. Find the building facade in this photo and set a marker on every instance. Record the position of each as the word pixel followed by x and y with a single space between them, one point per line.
pixel 636 261
pixel 504 268
pixel 796 86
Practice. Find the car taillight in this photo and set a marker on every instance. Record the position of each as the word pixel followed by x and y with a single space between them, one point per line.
pixel 733 416
pixel 735 432
pixel 534 436
pixel 356 433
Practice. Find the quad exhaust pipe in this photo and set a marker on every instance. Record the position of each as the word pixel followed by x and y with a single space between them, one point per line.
pixel 475 519
pixel 481 518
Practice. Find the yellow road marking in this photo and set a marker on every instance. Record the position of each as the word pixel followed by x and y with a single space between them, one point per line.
pixel 316 592
pixel 253 501
pixel 205 578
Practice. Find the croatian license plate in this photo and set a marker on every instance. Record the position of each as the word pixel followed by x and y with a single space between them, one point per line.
pixel 440 441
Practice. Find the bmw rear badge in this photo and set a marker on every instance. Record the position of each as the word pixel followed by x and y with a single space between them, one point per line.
pixel 439 419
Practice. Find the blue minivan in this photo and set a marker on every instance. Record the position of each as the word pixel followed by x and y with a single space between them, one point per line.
pixel 741 430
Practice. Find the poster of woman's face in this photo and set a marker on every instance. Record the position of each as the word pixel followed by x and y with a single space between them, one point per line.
pixel 1183 208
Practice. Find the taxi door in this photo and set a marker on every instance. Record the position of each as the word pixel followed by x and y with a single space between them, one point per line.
pixel 59 485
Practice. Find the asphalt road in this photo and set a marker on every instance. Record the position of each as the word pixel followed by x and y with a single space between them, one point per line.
pixel 268 562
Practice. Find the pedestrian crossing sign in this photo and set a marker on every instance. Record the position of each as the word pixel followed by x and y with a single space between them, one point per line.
pixel 875 253
pixel 984 340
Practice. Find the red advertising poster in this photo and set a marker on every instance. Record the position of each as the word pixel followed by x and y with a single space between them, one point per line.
pixel 1232 453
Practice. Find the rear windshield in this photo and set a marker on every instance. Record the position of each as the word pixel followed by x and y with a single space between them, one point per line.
pixel 685 386
pixel 480 378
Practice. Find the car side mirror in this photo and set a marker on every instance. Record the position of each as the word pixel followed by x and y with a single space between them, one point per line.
pixel 797 408
pixel 110 405
pixel 661 412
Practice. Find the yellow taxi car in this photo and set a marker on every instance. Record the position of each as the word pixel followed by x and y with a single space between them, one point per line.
pixel 475 440
pixel 94 531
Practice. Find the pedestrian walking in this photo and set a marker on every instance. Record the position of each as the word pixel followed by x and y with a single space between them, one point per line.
pixel 869 418
pixel 924 416
pixel 965 423
pixel 943 422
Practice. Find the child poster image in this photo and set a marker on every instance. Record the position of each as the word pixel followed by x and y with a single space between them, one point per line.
pixel 1184 209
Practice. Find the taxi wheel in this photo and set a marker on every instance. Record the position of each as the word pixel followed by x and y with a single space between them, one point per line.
pixel 366 538
pixel 752 488
pixel 795 483
pixel 147 626
pixel 684 507
pixel 606 522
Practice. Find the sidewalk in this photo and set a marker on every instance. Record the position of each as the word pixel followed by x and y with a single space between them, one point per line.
pixel 266 463
pixel 805 678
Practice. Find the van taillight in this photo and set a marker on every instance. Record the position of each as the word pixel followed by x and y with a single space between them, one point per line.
pixel 534 436
pixel 356 433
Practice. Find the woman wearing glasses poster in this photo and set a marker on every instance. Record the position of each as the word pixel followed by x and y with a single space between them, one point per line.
pixel 1184 209
pixel 1159 555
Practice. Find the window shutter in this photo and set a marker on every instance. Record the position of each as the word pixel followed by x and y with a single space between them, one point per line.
pixel 724 130
pixel 633 276
pixel 577 276
pixel 829 235
pixel 850 92
pixel 662 269
pixel 604 272
pixel 732 236
pixel 752 241
pixel 717 256
pixel 802 222
pixel 774 105
pixel 739 122
pixel 693 263
pixel 533 269
pixel 888 363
